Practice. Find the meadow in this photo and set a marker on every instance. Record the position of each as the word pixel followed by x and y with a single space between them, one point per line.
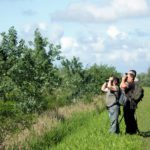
pixel 143 117
pixel 88 130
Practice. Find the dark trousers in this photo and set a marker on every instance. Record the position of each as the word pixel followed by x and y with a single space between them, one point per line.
pixel 129 118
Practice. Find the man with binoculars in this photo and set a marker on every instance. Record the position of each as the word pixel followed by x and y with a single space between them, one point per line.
pixel 127 84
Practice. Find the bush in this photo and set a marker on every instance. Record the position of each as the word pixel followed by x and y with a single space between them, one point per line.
pixel 8 109
pixel 12 119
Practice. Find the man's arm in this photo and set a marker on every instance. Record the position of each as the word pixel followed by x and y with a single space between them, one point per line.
pixel 110 86
pixel 104 87
pixel 123 84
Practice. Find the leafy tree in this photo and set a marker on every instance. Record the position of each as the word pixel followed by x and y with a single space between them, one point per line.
pixel 73 75
pixel 7 60
pixel 97 74
pixel 84 82
pixel 28 75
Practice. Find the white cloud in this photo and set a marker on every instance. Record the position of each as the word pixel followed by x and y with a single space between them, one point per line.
pixel 30 27
pixel 117 9
pixel 56 32
pixel 131 7
pixel 87 50
pixel 124 56
pixel 91 49
pixel 98 45
pixel 144 54
pixel 113 32
pixel 68 43
pixel 129 56
pixel 27 28
pixel 42 26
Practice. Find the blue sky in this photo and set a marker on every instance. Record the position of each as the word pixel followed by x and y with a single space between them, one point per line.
pixel 112 32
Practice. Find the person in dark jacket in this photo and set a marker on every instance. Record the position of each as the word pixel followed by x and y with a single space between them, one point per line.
pixel 126 85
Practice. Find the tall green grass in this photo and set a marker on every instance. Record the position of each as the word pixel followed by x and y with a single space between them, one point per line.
pixel 86 131
pixel 143 119
pixel 94 135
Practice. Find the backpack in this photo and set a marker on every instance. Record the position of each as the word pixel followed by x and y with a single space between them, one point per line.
pixel 135 95
pixel 123 98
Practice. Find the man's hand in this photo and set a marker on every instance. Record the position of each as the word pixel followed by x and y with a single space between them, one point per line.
pixel 110 78
pixel 124 78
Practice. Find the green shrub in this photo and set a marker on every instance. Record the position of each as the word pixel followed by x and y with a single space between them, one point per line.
pixel 8 109
pixel 12 119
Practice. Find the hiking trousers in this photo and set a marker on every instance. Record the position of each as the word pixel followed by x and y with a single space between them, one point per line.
pixel 129 118
pixel 113 112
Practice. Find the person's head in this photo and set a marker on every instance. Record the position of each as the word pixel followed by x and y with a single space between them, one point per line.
pixel 115 81
pixel 131 75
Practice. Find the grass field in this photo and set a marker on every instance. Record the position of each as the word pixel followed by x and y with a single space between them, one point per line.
pixel 89 131
pixel 94 135
pixel 143 117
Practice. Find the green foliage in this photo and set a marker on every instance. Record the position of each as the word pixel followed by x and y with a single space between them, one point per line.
pixel 97 76
pixel 27 75
pixel 84 83
pixel 145 78
pixel 72 75
pixel 12 119
pixel 8 109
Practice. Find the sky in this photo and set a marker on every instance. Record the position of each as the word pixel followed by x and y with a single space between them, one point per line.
pixel 111 32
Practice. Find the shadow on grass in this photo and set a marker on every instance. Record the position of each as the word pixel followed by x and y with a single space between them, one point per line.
pixel 144 133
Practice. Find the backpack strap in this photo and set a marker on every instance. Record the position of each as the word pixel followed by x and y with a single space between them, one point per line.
pixel 117 94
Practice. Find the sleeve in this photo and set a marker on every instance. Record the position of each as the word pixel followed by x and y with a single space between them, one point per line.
pixel 104 87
